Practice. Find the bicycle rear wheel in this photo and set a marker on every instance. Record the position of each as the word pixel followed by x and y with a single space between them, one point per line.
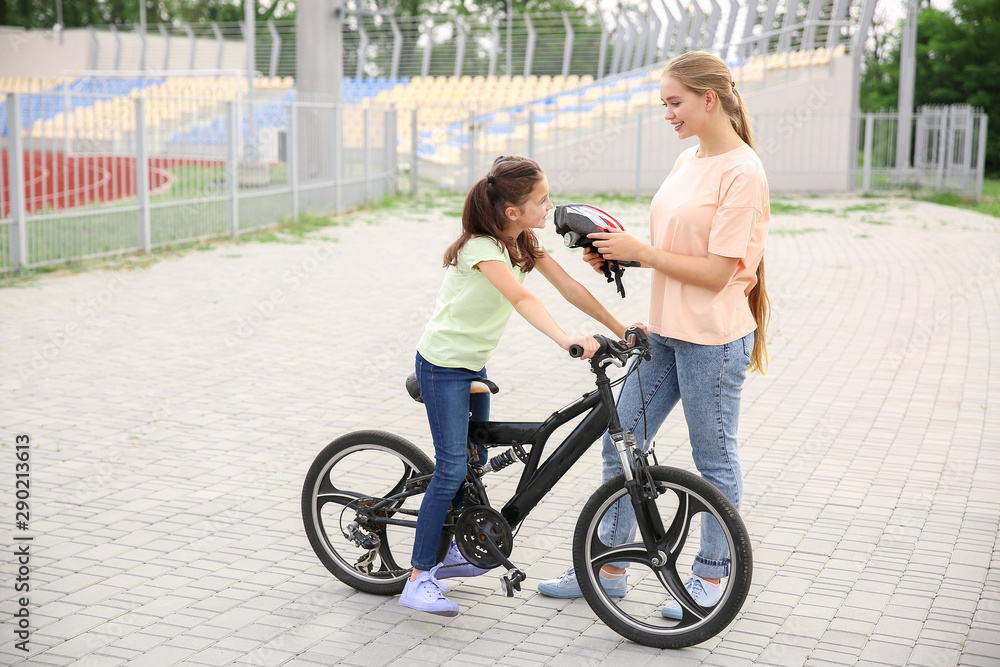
pixel 682 498
pixel 354 472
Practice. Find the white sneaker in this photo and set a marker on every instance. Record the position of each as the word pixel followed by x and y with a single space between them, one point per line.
pixel 455 565
pixel 567 586
pixel 426 593
pixel 704 593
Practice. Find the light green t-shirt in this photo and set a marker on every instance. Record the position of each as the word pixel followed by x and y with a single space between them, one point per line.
pixel 471 314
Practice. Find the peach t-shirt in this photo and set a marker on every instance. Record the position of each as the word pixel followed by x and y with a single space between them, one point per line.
pixel 719 205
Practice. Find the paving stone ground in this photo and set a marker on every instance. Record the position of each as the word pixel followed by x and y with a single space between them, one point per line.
pixel 173 411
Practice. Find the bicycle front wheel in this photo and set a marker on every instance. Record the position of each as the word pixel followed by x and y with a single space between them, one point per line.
pixel 684 504
pixel 353 473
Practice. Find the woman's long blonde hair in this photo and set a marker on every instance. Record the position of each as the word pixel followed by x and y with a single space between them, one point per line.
pixel 699 72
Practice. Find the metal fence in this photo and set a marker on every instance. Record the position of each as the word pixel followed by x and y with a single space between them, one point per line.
pixel 493 42
pixel 87 175
pixel 947 151
pixel 618 142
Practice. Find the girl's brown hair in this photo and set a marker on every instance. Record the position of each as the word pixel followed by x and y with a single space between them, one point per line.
pixel 699 72
pixel 508 183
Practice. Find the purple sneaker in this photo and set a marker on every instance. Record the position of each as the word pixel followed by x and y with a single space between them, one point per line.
pixel 426 593
pixel 459 566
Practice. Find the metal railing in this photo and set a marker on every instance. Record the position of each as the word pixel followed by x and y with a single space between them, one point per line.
pixel 947 152
pixel 619 143
pixel 86 175
pixel 491 42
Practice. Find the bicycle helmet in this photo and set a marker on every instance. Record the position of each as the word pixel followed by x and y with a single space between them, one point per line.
pixel 575 221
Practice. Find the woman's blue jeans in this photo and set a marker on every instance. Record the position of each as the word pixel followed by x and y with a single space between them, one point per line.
pixel 446 396
pixel 708 380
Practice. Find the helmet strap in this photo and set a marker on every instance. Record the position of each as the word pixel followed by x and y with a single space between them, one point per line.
pixel 611 266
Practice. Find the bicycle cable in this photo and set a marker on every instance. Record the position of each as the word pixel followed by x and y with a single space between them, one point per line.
pixel 638 374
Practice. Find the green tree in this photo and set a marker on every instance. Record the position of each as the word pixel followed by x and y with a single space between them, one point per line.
pixel 958 62
pixel 81 13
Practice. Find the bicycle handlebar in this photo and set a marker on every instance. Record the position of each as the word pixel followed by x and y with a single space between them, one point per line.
pixel 636 342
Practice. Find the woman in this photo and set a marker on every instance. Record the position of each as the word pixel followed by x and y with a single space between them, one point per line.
pixel 708 306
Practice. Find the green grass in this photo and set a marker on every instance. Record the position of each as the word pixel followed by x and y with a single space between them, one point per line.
pixel 286 232
pixel 192 181
pixel 603 198
pixel 990 205
pixel 874 207
pixel 292 231
pixel 781 207
pixel 796 232
pixel 869 220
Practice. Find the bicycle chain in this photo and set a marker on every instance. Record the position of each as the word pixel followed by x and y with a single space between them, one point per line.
pixel 364 563
pixel 368 558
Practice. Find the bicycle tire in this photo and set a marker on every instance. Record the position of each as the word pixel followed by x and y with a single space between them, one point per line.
pixel 637 616
pixel 364 455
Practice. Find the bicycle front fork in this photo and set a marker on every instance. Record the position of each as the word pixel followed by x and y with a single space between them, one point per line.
pixel 642 493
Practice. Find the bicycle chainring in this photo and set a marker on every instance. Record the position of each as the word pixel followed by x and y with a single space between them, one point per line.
pixel 482 519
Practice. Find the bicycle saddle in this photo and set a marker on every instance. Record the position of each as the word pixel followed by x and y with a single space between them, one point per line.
pixel 480 386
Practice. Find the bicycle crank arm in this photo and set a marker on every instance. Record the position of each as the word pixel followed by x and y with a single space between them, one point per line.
pixel 511 581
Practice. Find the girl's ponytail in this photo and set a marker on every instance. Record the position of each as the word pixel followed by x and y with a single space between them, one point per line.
pixel 509 183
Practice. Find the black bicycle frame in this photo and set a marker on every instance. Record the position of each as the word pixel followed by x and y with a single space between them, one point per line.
pixel 536 481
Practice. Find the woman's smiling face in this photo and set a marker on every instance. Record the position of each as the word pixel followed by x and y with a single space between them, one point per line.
pixel 685 110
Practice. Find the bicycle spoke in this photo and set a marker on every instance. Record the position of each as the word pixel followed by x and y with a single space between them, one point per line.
pixel 672 581
pixel 389 565
pixel 339 497
pixel 688 508
pixel 408 474
pixel 633 552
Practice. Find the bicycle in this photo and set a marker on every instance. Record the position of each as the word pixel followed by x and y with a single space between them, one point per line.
pixel 367 551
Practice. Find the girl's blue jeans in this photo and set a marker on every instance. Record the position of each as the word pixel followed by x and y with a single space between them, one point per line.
pixel 708 380
pixel 446 396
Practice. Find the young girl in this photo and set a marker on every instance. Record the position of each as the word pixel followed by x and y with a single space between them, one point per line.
pixel 708 306
pixel 482 286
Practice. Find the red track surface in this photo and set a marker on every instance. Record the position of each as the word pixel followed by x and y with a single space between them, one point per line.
pixel 54 181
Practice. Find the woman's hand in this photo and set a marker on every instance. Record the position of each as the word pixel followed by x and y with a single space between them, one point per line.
pixel 588 343
pixel 640 325
pixel 620 246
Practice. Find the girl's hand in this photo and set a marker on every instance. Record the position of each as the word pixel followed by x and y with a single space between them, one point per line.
pixel 588 343
pixel 620 246
pixel 594 259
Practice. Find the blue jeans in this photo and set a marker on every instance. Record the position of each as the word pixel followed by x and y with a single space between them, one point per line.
pixel 446 396
pixel 708 379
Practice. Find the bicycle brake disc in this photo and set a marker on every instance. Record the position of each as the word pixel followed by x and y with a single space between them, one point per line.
pixel 485 521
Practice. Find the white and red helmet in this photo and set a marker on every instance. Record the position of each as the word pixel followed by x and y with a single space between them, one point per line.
pixel 575 221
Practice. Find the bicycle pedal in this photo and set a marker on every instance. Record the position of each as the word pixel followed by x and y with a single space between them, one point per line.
pixel 511 583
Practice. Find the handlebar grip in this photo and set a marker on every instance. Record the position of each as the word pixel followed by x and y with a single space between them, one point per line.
pixel 576 351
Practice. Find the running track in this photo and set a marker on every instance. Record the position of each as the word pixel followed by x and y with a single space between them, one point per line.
pixel 54 181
